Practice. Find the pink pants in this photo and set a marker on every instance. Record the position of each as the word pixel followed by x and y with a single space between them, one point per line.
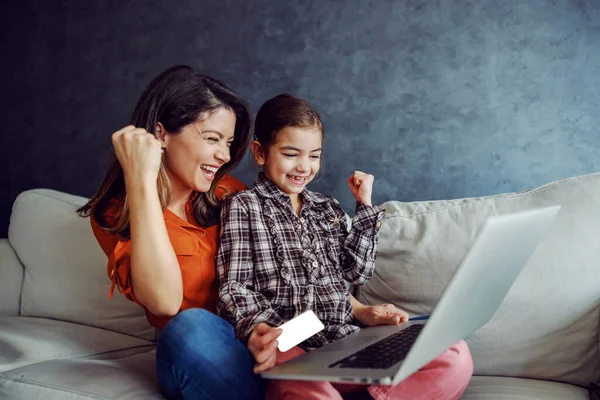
pixel 444 378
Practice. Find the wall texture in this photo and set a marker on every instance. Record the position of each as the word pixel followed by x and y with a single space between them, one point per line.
pixel 438 99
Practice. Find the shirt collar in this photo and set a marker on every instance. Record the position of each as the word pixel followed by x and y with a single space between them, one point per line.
pixel 265 188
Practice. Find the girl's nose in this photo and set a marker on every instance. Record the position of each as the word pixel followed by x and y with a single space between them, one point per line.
pixel 302 165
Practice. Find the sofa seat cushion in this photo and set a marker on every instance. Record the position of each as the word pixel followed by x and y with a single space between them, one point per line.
pixel 25 341
pixel 501 388
pixel 120 375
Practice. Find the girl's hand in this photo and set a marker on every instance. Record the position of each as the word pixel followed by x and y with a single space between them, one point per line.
pixel 383 314
pixel 263 346
pixel 361 186
pixel 139 153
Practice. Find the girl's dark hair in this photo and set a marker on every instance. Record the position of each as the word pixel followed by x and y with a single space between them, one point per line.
pixel 282 111
pixel 175 98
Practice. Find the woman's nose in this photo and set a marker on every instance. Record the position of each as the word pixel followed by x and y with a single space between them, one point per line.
pixel 223 154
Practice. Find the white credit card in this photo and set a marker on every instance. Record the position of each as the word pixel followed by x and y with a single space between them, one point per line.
pixel 299 329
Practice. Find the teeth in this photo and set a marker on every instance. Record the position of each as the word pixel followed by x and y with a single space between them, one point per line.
pixel 209 169
pixel 297 178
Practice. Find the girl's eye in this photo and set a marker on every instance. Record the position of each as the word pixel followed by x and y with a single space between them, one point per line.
pixel 315 157
pixel 289 155
pixel 212 139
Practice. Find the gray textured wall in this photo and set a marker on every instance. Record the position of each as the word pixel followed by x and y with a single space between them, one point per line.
pixel 438 99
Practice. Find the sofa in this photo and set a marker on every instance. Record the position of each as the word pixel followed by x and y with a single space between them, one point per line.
pixel 62 338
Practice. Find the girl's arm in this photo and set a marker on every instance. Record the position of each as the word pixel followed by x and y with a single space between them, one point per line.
pixel 238 301
pixel 358 245
pixel 381 314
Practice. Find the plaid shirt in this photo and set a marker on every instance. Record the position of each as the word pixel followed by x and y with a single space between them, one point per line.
pixel 273 264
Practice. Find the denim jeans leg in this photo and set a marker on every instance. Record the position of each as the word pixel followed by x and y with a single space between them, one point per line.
pixel 199 357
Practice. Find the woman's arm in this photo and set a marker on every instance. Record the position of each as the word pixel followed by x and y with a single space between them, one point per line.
pixel 155 272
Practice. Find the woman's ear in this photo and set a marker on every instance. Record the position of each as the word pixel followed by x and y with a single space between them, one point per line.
pixel 160 134
pixel 258 152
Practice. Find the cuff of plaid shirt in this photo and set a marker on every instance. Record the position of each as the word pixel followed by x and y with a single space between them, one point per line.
pixel 246 325
pixel 367 219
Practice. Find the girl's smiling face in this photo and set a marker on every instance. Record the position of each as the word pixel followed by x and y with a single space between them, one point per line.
pixel 294 160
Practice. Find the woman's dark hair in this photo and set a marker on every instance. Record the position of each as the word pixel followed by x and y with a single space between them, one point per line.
pixel 282 111
pixel 175 98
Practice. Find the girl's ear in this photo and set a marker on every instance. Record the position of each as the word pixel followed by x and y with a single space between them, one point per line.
pixel 258 152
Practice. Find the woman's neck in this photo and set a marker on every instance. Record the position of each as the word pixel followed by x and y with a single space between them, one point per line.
pixel 180 195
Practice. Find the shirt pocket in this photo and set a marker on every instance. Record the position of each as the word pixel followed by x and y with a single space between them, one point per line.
pixel 190 265
pixel 183 246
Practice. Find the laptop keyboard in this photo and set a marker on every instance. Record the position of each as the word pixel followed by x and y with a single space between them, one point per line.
pixel 384 353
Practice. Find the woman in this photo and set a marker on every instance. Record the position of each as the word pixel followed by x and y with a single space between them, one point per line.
pixel 156 215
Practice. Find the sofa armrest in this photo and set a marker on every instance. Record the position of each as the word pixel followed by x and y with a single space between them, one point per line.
pixel 11 280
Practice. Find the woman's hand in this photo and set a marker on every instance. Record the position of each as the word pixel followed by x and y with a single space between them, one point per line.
pixel 383 314
pixel 263 346
pixel 139 154
pixel 361 186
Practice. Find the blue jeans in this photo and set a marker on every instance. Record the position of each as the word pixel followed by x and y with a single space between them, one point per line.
pixel 199 357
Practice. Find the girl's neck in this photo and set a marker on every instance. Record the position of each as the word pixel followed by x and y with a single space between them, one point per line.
pixel 296 203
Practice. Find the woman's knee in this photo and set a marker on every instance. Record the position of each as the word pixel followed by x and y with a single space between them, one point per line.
pixel 198 346
pixel 195 321
pixel 193 334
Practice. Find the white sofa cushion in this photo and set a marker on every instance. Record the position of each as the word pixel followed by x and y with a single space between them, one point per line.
pixel 11 280
pixel 65 269
pixel 25 341
pixel 501 388
pixel 547 326
pixel 107 376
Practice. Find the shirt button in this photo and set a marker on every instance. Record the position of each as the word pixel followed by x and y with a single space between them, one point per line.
pixel 378 224
pixel 302 219
pixel 202 233
pixel 315 264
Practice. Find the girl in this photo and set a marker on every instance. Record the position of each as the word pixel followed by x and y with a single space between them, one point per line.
pixel 285 250
pixel 155 217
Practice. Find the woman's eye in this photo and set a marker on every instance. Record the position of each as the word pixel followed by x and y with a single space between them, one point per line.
pixel 315 157
pixel 212 139
pixel 289 155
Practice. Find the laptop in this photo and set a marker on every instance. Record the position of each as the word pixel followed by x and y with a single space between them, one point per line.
pixel 386 355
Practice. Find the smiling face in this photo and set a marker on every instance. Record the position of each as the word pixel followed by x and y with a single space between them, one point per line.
pixel 193 156
pixel 294 160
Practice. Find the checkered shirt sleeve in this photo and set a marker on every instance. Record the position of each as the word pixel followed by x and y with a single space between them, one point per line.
pixel 238 301
pixel 359 245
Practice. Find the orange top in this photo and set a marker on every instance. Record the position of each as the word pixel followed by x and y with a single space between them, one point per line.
pixel 195 247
